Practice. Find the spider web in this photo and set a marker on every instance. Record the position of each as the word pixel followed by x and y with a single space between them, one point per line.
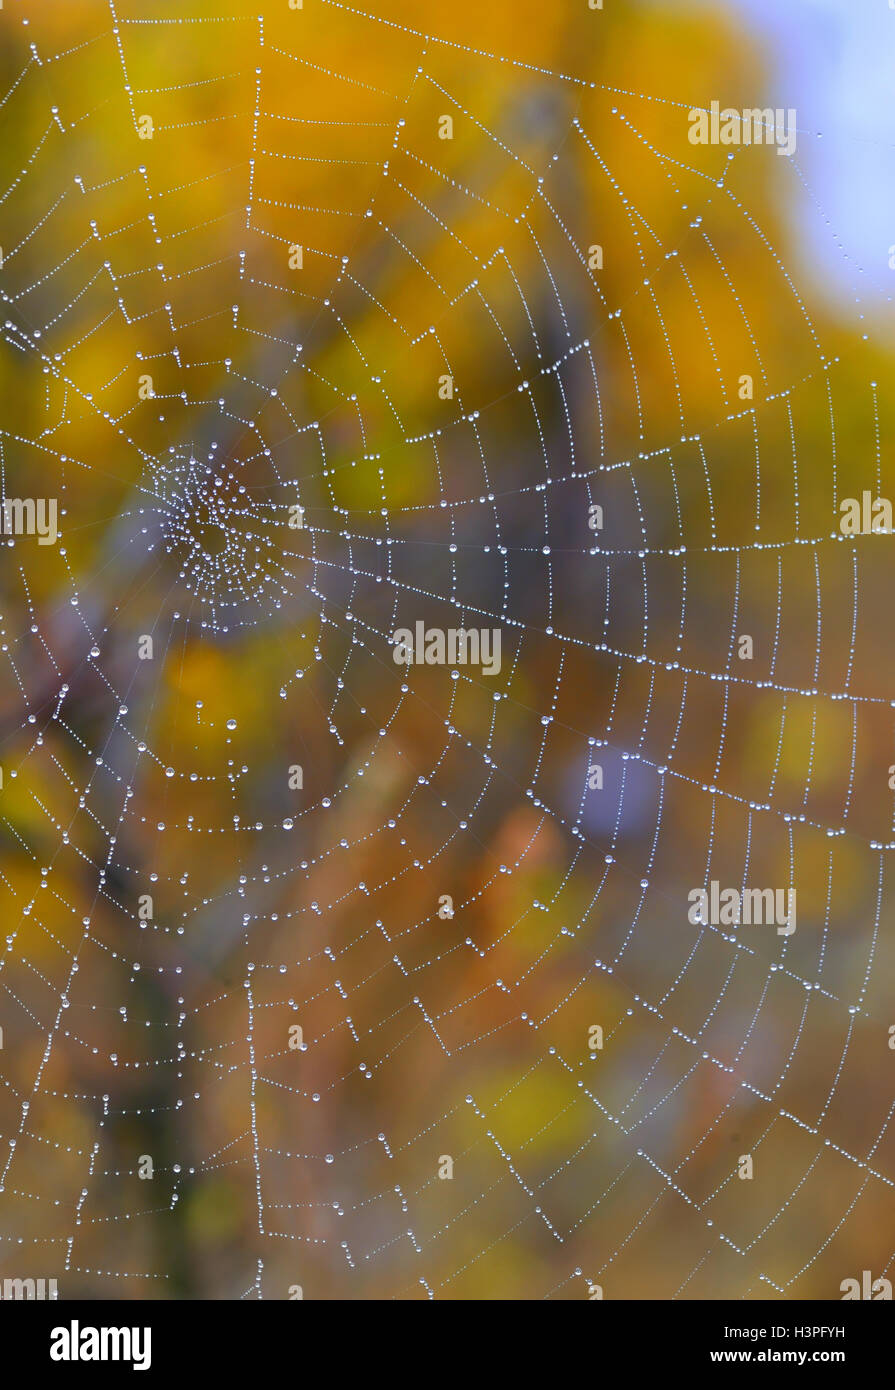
pixel 446 382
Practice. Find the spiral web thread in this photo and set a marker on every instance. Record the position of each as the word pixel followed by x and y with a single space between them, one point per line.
pixel 426 1037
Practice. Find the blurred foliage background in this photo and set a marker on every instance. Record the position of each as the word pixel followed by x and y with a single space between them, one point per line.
pixel 169 256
